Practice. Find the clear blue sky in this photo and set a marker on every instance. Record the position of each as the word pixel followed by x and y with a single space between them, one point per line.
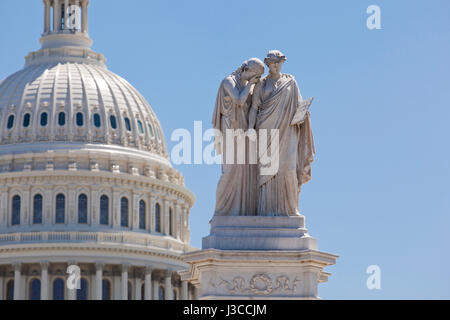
pixel 380 192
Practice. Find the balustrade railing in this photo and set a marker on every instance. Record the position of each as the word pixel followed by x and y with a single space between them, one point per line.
pixel 95 237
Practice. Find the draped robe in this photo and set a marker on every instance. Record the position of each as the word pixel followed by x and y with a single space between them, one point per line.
pixel 236 190
pixel 278 193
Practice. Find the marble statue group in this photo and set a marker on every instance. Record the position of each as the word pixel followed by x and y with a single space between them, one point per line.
pixel 248 103
pixel 259 246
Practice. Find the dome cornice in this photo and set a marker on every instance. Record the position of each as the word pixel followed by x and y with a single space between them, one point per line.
pixel 160 188
pixel 91 250
pixel 64 55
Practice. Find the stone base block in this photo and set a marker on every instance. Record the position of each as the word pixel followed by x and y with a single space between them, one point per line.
pixel 242 274
pixel 259 233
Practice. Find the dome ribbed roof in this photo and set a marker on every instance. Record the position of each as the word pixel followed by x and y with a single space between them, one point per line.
pixel 98 107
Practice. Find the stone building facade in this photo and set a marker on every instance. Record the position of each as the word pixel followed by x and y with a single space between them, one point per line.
pixel 85 178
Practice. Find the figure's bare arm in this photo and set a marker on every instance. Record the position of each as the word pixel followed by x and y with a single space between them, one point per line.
pixel 252 118
pixel 238 97
pixel 256 102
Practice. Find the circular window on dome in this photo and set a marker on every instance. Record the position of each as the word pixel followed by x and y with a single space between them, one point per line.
pixel 26 120
pixel 44 119
pixel 97 120
pixel 113 121
pixel 80 119
pixel 128 124
pixel 10 122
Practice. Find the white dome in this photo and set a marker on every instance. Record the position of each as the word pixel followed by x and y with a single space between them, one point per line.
pixel 85 177
pixel 68 94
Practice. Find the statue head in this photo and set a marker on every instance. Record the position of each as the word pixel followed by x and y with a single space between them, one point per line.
pixel 274 60
pixel 251 68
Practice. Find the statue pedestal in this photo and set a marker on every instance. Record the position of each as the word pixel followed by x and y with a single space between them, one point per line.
pixel 258 258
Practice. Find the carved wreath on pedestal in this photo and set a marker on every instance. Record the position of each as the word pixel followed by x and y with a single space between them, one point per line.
pixel 260 284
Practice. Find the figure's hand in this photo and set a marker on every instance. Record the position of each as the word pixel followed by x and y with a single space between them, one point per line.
pixel 254 80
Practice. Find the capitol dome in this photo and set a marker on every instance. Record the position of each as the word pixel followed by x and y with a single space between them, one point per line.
pixel 85 177
pixel 69 95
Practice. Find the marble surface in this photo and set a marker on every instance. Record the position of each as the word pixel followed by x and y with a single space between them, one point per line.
pixel 272 111
pixel 259 247
pixel 250 274
pixel 259 233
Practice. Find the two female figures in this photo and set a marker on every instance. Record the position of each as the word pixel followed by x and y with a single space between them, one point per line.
pixel 273 104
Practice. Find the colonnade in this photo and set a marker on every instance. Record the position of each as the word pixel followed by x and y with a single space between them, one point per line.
pixel 58 14
pixel 122 281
